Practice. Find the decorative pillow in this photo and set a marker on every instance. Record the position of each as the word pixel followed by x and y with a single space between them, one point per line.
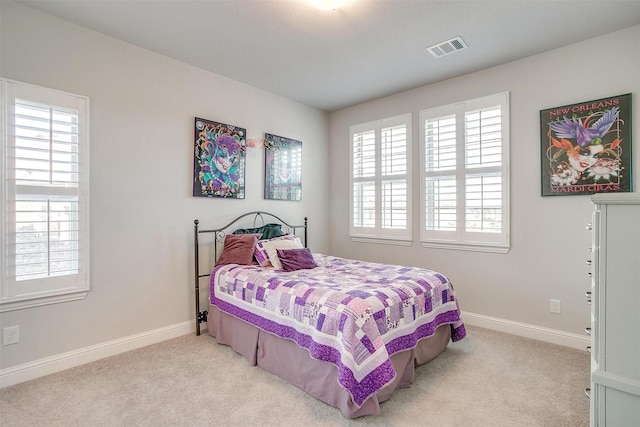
pixel 261 254
pixel 238 249
pixel 273 246
pixel 268 231
pixel 296 259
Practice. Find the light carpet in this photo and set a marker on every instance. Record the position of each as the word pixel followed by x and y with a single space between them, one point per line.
pixel 489 379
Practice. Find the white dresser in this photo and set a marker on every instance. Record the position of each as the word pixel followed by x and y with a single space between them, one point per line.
pixel 615 311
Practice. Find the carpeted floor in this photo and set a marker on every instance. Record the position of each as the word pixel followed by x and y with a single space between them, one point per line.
pixel 489 379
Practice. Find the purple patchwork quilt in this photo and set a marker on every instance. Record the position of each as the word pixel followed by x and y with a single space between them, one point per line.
pixel 353 314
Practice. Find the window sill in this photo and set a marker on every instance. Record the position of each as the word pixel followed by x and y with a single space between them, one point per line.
pixel 381 240
pixel 20 303
pixel 474 247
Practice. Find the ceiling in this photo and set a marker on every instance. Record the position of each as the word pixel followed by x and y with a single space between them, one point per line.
pixel 338 58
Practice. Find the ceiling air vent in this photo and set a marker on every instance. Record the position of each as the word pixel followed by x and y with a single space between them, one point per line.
pixel 446 48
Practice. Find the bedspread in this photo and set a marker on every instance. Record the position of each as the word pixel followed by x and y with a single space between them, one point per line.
pixel 353 314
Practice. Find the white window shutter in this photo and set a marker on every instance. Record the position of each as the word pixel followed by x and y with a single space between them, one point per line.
pixel 465 175
pixel 483 177
pixel 440 160
pixel 394 162
pixel 46 249
pixel 380 184
pixel 364 174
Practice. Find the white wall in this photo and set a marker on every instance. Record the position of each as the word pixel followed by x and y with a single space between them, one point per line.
pixel 142 110
pixel 549 240
pixel 141 122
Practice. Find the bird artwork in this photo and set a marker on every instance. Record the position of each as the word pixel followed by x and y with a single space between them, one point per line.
pixel 585 134
pixel 586 147
pixel 585 152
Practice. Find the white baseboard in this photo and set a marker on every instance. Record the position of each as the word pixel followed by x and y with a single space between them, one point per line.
pixel 50 365
pixel 528 331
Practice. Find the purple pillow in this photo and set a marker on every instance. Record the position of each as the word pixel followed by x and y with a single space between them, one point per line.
pixel 296 259
pixel 238 249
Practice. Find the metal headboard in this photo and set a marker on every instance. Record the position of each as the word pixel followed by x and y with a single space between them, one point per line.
pixel 219 235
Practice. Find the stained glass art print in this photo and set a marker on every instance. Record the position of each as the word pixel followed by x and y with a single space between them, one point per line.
pixel 283 168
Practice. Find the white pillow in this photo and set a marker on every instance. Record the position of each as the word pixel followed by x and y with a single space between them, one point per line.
pixel 272 246
pixel 261 254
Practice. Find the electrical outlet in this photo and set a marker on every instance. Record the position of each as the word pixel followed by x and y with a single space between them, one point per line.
pixel 554 306
pixel 11 335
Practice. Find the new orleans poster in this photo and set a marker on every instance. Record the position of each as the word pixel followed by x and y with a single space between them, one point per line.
pixel 586 147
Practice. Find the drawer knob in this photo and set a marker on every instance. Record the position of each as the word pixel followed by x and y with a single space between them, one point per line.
pixel 587 392
pixel 588 330
pixel 589 227
pixel 588 349
pixel 588 262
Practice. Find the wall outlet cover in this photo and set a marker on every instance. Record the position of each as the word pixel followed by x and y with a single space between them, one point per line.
pixel 11 335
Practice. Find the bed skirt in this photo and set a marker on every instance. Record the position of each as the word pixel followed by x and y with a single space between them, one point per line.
pixel 283 357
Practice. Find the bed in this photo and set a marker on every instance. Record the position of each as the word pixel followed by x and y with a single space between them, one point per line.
pixel 347 332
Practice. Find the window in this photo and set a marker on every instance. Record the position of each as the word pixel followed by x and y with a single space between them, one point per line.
pixel 380 180
pixel 465 182
pixel 45 248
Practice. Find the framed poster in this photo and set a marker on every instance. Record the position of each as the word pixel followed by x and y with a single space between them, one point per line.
pixel 586 147
pixel 219 160
pixel 282 168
